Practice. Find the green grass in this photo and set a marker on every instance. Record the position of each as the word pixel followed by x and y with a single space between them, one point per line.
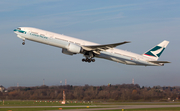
pixel 37 109
pixel 49 104
pixel 149 109
pixel 140 103
pixel 40 109
pixel 32 103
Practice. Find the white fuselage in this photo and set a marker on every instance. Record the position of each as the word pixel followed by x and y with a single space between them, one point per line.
pixel 63 41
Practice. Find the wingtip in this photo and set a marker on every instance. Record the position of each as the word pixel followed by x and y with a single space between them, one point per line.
pixel 127 41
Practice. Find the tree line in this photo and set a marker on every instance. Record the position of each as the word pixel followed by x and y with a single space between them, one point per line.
pixel 121 92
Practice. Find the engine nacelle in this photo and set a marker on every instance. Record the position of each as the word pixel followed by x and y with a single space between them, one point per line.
pixel 65 51
pixel 74 48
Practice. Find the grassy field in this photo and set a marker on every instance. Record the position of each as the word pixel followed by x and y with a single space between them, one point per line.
pixel 39 103
pixel 55 105
pixel 40 109
pixel 37 109
pixel 148 109
pixel 140 103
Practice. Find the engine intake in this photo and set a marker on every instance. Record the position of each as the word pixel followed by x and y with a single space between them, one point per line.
pixel 65 51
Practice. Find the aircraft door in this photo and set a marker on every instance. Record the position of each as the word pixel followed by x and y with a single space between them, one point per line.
pixel 50 38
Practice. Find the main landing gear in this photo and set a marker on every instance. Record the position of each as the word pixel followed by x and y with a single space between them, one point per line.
pixel 88 60
pixel 89 55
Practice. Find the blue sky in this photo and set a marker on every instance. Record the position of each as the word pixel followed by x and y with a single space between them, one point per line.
pixel 144 23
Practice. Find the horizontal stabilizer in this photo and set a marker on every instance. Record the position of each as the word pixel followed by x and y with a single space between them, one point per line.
pixel 160 62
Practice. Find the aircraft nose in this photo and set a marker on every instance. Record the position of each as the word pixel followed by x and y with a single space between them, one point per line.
pixel 15 30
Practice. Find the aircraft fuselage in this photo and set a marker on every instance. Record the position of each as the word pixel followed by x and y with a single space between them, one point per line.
pixel 71 46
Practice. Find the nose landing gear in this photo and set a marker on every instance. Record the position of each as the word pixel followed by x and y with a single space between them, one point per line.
pixel 23 43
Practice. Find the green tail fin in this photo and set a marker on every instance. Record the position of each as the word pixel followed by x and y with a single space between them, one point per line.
pixel 156 51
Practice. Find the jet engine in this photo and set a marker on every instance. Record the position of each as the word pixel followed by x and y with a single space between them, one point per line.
pixel 72 49
pixel 65 51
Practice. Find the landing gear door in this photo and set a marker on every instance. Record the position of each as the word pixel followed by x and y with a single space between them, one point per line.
pixel 51 36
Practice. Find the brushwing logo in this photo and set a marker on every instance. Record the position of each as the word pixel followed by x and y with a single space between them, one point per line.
pixel 155 52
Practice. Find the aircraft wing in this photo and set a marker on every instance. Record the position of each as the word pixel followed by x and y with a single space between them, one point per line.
pixel 160 62
pixel 98 48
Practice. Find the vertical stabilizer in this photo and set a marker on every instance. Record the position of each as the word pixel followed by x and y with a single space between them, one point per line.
pixel 156 51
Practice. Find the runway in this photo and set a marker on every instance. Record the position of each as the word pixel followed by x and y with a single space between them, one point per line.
pixel 114 107
pixel 94 107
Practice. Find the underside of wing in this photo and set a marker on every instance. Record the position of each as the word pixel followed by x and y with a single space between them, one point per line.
pixel 98 48
pixel 157 62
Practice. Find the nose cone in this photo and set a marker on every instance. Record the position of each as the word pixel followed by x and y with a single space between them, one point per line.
pixel 15 31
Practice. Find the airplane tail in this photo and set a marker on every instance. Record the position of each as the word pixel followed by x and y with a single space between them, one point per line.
pixel 156 51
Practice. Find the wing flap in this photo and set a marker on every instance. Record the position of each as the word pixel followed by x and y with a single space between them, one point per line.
pixel 102 47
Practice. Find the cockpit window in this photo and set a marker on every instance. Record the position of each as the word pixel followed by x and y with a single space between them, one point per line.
pixel 19 30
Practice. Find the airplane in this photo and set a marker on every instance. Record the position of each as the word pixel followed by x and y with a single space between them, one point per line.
pixel 90 50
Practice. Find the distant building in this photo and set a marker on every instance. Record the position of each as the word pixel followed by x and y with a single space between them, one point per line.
pixel 2 89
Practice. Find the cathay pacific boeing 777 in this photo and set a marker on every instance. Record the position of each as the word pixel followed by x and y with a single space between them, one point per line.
pixel 71 46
